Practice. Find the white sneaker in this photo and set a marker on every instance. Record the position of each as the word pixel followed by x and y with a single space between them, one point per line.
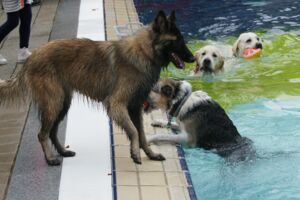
pixel 23 54
pixel 3 60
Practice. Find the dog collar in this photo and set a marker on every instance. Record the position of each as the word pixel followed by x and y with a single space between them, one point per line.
pixel 174 111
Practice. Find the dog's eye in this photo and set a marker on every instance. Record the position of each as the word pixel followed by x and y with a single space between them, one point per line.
pixel 203 54
pixel 215 55
pixel 248 41
pixel 257 38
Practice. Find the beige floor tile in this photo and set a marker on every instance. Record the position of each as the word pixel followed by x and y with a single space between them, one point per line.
pixel 169 151
pixel 150 165
pixel 117 129
pixel 127 178
pixel 172 165
pixel 7 157
pixel 13 138
pixel 4 177
pixel 121 139
pixel 125 164
pixel 2 189
pixel 154 193
pixel 8 148
pixel 152 178
pixel 154 149
pixel 176 179
pixel 179 193
pixel 123 21
pixel 5 167
pixel 4 131
pixel 122 151
pixel 128 193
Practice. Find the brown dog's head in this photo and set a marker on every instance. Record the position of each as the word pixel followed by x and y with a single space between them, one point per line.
pixel 166 93
pixel 169 44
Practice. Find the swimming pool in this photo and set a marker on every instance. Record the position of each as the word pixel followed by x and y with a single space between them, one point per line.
pixel 262 96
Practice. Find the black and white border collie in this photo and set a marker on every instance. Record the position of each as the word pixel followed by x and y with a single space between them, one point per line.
pixel 200 121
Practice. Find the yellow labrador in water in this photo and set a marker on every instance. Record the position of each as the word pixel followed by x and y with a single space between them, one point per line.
pixel 209 60
pixel 245 41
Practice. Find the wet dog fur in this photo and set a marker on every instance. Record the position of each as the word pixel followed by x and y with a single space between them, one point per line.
pixel 201 121
pixel 120 74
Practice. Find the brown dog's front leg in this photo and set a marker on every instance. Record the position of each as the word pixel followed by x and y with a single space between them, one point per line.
pixel 137 119
pixel 120 115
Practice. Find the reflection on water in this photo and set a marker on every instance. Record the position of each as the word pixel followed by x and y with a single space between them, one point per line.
pixel 215 19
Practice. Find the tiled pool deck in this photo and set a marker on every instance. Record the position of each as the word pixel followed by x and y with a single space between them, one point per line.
pixel 151 180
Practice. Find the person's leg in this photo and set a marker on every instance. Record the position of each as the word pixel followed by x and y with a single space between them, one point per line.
pixel 25 26
pixel 11 23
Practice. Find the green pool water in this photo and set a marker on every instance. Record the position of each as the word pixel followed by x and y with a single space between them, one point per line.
pixel 275 73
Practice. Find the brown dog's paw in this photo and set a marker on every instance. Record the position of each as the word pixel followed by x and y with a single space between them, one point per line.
pixel 158 157
pixel 53 162
pixel 136 157
pixel 136 160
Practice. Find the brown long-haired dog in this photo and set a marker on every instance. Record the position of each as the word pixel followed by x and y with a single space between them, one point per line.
pixel 120 74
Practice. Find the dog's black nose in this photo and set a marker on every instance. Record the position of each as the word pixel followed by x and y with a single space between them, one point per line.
pixel 258 46
pixel 206 62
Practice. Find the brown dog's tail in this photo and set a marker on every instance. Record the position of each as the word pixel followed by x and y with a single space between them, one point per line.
pixel 13 92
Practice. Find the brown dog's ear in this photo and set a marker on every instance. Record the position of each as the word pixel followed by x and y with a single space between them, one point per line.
pixel 160 23
pixel 235 48
pixel 172 17
pixel 167 90
pixel 221 63
pixel 197 57
pixel 196 68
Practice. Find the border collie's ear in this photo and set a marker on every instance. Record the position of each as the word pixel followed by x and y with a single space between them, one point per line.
pixel 167 90
pixel 160 23
pixel 172 17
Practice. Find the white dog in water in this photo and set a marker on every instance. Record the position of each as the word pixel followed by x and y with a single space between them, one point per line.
pixel 245 41
pixel 217 58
